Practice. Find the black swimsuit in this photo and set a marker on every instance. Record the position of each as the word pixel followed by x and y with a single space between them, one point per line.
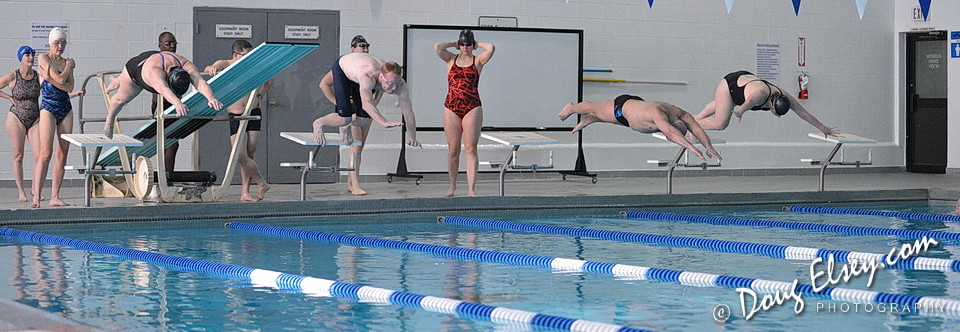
pixel 135 65
pixel 736 91
pixel 618 108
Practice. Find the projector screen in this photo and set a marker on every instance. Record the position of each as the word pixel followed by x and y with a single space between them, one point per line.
pixel 533 73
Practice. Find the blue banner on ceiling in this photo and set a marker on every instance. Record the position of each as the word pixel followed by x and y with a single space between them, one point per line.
pixel 925 8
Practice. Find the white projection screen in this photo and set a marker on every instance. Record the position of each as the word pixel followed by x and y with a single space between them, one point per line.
pixel 533 73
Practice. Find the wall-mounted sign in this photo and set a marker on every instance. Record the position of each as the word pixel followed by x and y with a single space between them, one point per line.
pixel 234 31
pixel 301 32
pixel 768 61
pixel 40 31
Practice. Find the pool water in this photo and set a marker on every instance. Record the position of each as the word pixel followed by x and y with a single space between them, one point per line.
pixel 120 294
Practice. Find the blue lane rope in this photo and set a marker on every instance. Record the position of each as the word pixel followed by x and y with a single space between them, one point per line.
pixel 769 250
pixel 901 215
pixel 852 230
pixel 328 288
pixel 634 272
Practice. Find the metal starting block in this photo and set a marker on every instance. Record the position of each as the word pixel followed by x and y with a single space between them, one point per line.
pixel 99 141
pixel 683 153
pixel 839 139
pixel 517 139
pixel 306 139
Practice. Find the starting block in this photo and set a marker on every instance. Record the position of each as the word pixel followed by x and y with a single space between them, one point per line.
pixel 518 139
pixel 672 164
pixel 99 141
pixel 306 139
pixel 839 139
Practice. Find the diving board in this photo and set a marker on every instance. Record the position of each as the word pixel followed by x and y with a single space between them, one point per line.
pixel 672 164
pixel 241 79
pixel 99 141
pixel 518 139
pixel 236 81
pixel 306 139
pixel 840 140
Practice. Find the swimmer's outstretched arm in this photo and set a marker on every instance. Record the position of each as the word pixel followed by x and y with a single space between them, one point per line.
pixel 694 127
pixel 806 116
pixel 674 135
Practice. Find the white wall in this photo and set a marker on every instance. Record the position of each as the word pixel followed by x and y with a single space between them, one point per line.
pixel 852 63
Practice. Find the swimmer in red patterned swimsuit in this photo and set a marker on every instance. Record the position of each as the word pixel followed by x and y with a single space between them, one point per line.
pixel 463 115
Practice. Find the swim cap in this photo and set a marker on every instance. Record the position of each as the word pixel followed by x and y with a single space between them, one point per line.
pixel 781 104
pixel 23 51
pixel 466 38
pixel 179 81
pixel 57 33
pixel 357 40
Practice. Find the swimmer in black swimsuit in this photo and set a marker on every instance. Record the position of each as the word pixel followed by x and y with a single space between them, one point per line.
pixel 168 74
pixel 645 117
pixel 744 89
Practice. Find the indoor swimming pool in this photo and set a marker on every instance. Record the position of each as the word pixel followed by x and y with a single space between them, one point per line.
pixel 529 262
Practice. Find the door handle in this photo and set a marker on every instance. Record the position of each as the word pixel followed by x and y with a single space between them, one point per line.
pixel 273 102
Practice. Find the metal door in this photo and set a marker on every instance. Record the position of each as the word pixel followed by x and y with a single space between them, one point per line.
pixel 927 102
pixel 295 99
pixel 290 105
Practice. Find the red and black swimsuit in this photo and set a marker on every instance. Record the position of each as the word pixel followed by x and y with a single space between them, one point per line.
pixel 463 96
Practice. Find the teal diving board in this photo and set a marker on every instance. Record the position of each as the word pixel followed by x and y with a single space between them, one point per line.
pixel 230 85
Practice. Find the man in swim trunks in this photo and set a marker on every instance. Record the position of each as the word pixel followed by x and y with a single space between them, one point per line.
pixel 357 45
pixel 56 89
pixel 249 170
pixel 744 89
pixel 645 117
pixel 168 74
pixel 355 77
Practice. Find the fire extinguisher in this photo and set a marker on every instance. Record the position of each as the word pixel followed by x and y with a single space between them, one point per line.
pixel 804 79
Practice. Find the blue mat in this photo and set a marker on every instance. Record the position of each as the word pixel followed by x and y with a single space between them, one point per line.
pixel 257 67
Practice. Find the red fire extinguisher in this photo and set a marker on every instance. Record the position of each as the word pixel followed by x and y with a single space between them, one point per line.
pixel 804 79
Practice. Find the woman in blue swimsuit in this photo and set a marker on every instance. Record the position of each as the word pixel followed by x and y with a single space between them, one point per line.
pixel 56 85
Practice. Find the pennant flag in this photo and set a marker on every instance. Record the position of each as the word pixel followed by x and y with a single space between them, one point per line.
pixel 651 3
pixel 729 5
pixel 924 7
pixel 861 6
pixel 796 7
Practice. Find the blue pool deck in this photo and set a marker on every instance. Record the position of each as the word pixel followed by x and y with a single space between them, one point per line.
pixel 523 191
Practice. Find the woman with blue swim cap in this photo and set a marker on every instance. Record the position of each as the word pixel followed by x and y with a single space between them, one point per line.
pixel 24 111
pixel 744 89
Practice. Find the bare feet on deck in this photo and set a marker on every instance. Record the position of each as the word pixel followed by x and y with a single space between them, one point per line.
pixel 56 202
pixel 356 191
pixel 245 197
pixel 451 191
pixel 22 197
pixel 264 188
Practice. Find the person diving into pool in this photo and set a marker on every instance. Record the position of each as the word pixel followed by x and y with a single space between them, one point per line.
pixel 166 73
pixel 645 117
